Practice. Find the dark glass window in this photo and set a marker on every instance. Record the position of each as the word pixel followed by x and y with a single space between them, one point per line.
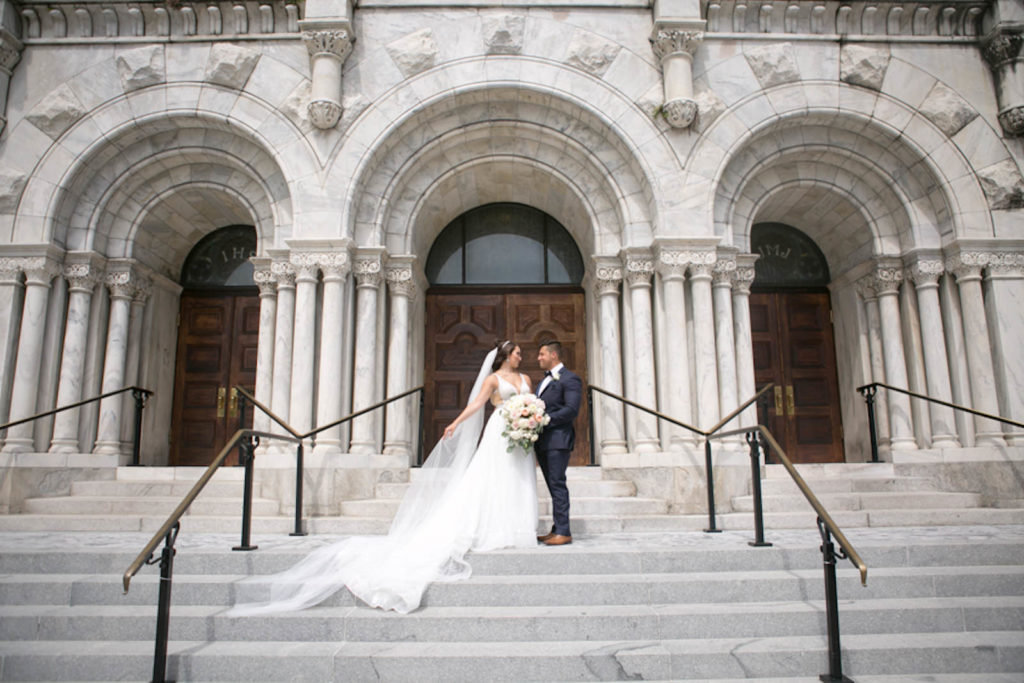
pixel 504 244
pixel 221 259
pixel 789 258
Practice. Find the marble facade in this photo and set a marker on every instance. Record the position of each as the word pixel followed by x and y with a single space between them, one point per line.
pixel 657 133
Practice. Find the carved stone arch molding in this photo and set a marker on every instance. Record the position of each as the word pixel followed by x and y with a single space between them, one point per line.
pixel 940 176
pixel 608 141
pixel 81 169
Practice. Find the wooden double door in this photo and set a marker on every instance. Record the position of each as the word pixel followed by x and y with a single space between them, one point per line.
pixel 794 348
pixel 218 335
pixel 462 327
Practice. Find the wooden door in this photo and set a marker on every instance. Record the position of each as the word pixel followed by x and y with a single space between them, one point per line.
pixel 462 328
pixel 217 340
pixel 794 348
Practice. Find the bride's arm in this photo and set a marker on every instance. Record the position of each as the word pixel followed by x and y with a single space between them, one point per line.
pixel 488 387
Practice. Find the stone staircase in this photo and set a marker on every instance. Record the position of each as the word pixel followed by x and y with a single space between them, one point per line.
pixel 856 495
pixel 940 605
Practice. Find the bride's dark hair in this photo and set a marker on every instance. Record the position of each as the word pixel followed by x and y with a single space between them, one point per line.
pixel 505 349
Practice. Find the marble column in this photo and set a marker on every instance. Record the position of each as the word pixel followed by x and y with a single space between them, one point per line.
pixel 137 311
pixel 956 356
pixel 307 270
pixel 868 291
pixel 743 278
pixel 82 280
pixel 281 391
pixel 402 290
pixel 1001 47
pixel 264 278
pixel 335 268
pixel 328 48
pixel 11 300
pixel 367 270
pixel 608 277
pixel 705 364
pixel 639 269
pixel 671 266
pixel 38 274
pixel 888 277
pixel 675 44
pixel 1005 308
pixel 725 343
pixel 121 283
pixel 925 275
pixel 967 267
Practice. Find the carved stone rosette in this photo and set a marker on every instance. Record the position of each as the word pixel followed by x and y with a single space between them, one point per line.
pixel 328 49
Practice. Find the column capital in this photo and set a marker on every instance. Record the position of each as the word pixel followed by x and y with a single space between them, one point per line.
pixel 284 274
pixel 400 277
pixel 305 264
pixel 926 272
pixel 335 265
pixel 723 272
pixel 333 42
pixel 607 276
pixel 367 269
pixel 143 290
pixel 37 269
pixel 1006 265
pixel 83 270
pixel 888 276
pixel 1003 48
pixel 967 265
pixel 639 267
pixel 263 276
pixel 743 276
pixel 672 39
pixel 122 280
pixel 866 287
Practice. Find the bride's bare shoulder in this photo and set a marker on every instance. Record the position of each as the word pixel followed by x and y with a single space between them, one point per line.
pixel 525 378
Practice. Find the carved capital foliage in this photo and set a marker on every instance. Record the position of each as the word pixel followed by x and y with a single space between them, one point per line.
pixel 1006 264
pixel 142 291
pixel 639 269
pixel 607 278
pixel 122 283
pixel 1012 121
pixel 367 271
pixel 305 264
pixel 888 277
pixel 680 113
pixel 926 272
pixel 702 270
pixel 264 278
pixel 866 288
pixel 743 278
pixel 967 265
pixel 81 277
pixel 37 269
pixel 334 264
pixel 668 41
pixel 723 272
pixel 284 274
pixel 324 114
pixel 400 280
pixel 1003 49
pixel 336 43
pixel 10 51
pixel 672 263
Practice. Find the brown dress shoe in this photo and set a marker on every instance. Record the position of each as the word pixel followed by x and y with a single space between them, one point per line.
pixel 557 539
pixel 545 537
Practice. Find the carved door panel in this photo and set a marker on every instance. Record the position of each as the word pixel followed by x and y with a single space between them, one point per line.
pixel 462 328
pixel 217 340
pixel 794 348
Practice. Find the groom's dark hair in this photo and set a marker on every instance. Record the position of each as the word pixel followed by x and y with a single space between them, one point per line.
pixel 554 346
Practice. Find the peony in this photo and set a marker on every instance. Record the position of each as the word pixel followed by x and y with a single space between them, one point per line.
pixel 524 419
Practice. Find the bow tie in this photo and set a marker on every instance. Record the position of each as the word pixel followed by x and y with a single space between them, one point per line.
pixel 547 373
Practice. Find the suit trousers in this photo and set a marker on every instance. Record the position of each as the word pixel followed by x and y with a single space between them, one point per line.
pixel 553 464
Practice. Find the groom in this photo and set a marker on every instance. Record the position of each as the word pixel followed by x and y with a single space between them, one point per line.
pixel 562 391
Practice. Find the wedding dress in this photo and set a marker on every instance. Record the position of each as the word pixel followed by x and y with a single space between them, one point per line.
pixel 468 496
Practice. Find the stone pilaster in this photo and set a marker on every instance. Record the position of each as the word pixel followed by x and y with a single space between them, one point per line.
pixel 328 47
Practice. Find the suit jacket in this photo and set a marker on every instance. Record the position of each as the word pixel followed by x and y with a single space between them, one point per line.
pixel 562 398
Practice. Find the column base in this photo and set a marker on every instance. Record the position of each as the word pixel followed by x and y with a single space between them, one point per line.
pixel 107 448
pixel 362 448
pixel 613 447
pixel 989 439
pixel 326 449
pixel 903 444
pixel 64 446
pixel 397 448
pixel 944 441
pixel 16 445
pixel 647 446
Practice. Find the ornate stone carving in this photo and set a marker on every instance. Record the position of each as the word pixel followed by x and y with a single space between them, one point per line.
pixel 284 274
pixel 743 276
pixel 305 264
pixel 81 277
pixel 667 41
pixel 639 269
pixel 680 113
pixel 143 289
pixel 888 277
pixel 334 264
pixel 336 43
pixel 926 272
pixel 701 271
pixel 967 265
pixel 367 271
pixel 1006 265
pixel 121 283
pixel 400 280
pixel 324 114
pixel 264 278
pixel 607 278
pixel 10 52
pixel 1002 49
pixel 723 272
pixel 1012 120
pixel 866 288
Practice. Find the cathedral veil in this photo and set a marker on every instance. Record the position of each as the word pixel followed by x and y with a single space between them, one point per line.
pixel 393 571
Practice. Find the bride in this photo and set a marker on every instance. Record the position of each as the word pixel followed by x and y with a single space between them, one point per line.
pixel 465 497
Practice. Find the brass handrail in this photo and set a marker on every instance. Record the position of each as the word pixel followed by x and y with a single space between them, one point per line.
pixel 351 416
pixel 645 409
pixel 955 406
pixel 271 414
pixel 744 406
pixel 823 514
pixel 176 515
pixel 69 406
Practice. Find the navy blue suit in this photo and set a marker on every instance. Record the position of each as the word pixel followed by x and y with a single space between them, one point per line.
pixel 562 397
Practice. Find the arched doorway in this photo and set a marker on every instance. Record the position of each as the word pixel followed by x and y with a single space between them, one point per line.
pixel 500 271
pixel 793 343
pixel 218 331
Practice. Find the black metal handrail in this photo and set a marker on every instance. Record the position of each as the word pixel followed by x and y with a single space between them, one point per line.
pixel 868 391
pixel 138 393
pixel 246 440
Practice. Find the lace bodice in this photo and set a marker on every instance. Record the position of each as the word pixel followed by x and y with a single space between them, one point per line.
pixel 507 390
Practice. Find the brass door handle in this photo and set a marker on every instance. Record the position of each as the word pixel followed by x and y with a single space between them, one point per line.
pixel 790 402
pixel 221 391
pixel 778 400
pixel 233 403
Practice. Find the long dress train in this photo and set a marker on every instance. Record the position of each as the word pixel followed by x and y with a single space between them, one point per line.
pixel 483 502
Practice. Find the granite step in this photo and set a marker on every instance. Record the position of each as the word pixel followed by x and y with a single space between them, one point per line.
pixel 903 500
pixel 148 505
pixel 589 488
pixel 780 486
pixel 581 507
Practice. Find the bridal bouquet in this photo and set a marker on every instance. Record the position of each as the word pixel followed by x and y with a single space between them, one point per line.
pixel 524 420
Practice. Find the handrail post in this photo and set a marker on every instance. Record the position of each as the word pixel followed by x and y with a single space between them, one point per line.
pixel 299 468
pixel 246 456
pixel 712 529
pixel 140 403
pixel 868 392
pixel 419 454
pixel 835 655
pixel 163 611
pixel 755 474
pixel 590 418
